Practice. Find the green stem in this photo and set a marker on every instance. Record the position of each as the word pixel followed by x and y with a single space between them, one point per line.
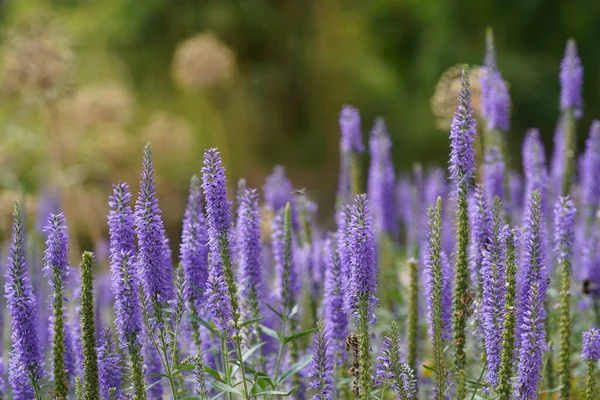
pixel 570 140
pixel 478 383
pixel 590 384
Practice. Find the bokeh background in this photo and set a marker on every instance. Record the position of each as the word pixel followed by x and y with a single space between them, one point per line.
pixel 84 84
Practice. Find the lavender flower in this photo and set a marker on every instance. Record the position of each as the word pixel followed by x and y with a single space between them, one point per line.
pixel 480 221
pixel 120 222
pixel 381 180
pixel 278 189
pixel 287 277
pixel 350 145
pixel 249 252
pixel 333 302
pixel 321 371
pixel 498 103
pixel 563 244
pixel 492 307
pixel 26 358
pixel 109 370
pixel 194 249
pixel 590 187
pixel 515 188
pixel 154 265
pixel 571 80
pixel 393 369
pixel 493 174
pixel 591 355
pixel 534 165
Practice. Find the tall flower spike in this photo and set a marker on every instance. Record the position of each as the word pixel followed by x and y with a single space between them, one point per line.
pixel 321 371
pixel 194 248
pixel 564 217
pixel 282 242
pixel 480 220
pixel 91 385
pixel 351 146
pixel 591 355
pixel 590 187
pixel 250 253
pixel 534 166
pixel 363 284
pixel 504 390
pixel 462 170
pixel 381 180
pixel 109 370
pixel 493 174
pixel 278 189
pixel 571 80
pixel 532 297
pixel 434 284
pixel 26 358
pixel 492 307
pixel 56 269
pixel 128 318
pixel 154 266
pixel 333 302
pixel 222 288
pixel 413 336
pixel 390 367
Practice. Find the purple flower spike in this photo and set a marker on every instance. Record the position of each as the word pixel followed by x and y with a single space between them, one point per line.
pixel 571 80
pixel 287 280
pixel 480 219
pixel 194 248
pixel 498 103
pixel 462 135
pixel 350 127
pixel 321 371
pixel 363 260
pixel 278 189
pixel 591 345
pixel 26 358
pixel 120 221
pixel 534 166
pixel 109 370
pixel 153 262
pixel 493 174
pixel 56 255
pixel 333 301
pixel 381 180
pixel 590 186
pixel 564 223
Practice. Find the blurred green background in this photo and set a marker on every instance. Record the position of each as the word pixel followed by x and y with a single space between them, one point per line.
pixel 86 83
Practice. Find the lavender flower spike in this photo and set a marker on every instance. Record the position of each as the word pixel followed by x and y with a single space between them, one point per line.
pixel 590 187
pixel 534 166
pixel 155 270
pixel 480 220
pixel 56 255
pixel 382 180
pixel 222 289
pixel 350 146
pixel 194 248
pixel 109 370
pixel 287 276
pixel 333 302
pixel 493 174
pixel 26 358
pixel 249 252
pixel 571 80
pixel 321 371
pixel 278 189
pixel 591 355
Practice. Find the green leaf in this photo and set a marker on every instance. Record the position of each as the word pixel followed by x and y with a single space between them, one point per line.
pixel 208 325
pixel 293 312
pixel 298 335
pixel 161 375
pixel 251 351
pixel 275 311
pixel 294 369
pixel 252 321
pixel 275 393
pixel 270 332
pixel 428 368
pixel 225 387
pixel 184 367
pixel 214 373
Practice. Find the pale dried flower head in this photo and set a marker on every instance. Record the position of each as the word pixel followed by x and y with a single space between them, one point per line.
pixel 203 61
pixel 445 98
pixel 37 60
pixel 168 133
pixel 98 105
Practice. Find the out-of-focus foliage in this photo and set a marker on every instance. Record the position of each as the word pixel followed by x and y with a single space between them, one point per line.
pixel 261 79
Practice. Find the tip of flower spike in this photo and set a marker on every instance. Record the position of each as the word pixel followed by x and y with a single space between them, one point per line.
pixel 490 50
pixel 591 345
pixel 87 259
pixel 350 128
pixel 571 79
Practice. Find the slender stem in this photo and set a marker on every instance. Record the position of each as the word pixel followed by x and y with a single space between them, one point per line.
pixel 224 357
pixel 478 383
pixel 280 352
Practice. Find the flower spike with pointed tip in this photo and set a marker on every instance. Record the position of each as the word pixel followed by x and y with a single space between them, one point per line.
pixel 333 302
pixel 321 371
pixel 590 187
pixel 571 80
pixel 534 167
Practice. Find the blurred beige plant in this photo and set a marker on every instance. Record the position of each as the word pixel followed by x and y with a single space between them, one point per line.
pixel 37 60
pixel 202 61
pixel 445 98
pixel 97 105
pixel 170 135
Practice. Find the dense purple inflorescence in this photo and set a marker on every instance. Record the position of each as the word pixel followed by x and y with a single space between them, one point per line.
pixel 571 80
pixel 591 345
pixel 493 174
pixel 333 301
pixel 321 370
pixel 534 167
pixel 590 185
pixel 109 370
pixel 56 255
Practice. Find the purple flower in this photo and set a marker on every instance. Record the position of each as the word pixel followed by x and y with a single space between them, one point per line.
pixel 26 358
pixel 564 234
pixel 515 187
pixel 153 261
pixel 152 366
pixel 333 301
pixel 557 162
pixel 194 248
pixel 124 286
pixel 285 265
pixel 591 345
pixel 321 370
pixel 480 222
pixel 590 185
pixel 404 209
pixel 249 249
pixel 492 307
pixel 350 128
pixel 498 103
pixel 534 166
pixel 382 180
pixel 278 189
pixel 362 288
pixel 446 296
pixel 109 370
pixel 56 257
pixel 462 135
pixel 571 80
pixel 493 174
